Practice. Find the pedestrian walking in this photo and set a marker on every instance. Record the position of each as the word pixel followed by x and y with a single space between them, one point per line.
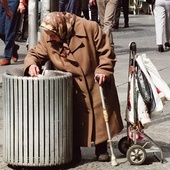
pixel 8 31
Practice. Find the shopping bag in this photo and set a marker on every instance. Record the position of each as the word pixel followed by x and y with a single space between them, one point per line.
pixel 145 90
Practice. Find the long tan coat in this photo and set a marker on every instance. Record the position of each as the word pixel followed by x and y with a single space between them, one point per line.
pixel 90 53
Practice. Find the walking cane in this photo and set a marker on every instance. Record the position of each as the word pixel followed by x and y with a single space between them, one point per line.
pixel 105 114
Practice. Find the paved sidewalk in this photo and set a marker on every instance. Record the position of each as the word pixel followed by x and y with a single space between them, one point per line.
pixel 142 32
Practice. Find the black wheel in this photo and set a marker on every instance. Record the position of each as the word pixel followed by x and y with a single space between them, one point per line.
pixel 124 144
pixel 136 155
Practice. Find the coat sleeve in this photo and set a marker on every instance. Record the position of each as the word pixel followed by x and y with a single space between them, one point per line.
pixel 37 55
pixel 105 53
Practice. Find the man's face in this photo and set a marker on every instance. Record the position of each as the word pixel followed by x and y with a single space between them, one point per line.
pixel 53 36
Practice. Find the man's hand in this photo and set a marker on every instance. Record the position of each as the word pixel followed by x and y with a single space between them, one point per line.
pixel 100 78
pixel 33 70
pixel 9 14
pixel 7 9
pixel 21 8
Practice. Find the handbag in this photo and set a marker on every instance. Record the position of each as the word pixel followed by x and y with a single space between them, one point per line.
pixel 151 2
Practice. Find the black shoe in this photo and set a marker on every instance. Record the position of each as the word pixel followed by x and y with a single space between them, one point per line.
pixel 103 157
pixel 167 45
pixel 126 25
pixel 20 39
pixel 15 53
pixel 160 48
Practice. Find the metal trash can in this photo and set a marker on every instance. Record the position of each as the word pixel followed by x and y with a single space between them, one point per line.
pixel 37 119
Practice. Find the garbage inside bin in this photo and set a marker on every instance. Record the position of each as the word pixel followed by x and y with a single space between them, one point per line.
pixel 37 113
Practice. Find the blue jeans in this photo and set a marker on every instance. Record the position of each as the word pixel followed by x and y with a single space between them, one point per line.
pixel 8 27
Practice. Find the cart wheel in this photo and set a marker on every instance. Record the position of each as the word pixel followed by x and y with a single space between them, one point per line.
pixel 136 155
pixel 123 145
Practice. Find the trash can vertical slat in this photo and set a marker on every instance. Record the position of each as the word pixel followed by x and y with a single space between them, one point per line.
pixel 9 124
pixel 31 118
pixel 16 120
pixel 52 123
pixel 42 120
pixel 20 124
pixel 12 120
pixel 5 97
pixel 47 109
pixel 35 121
pixel 25 121
pixel 56 122
pixel 64 124
pixel 60 118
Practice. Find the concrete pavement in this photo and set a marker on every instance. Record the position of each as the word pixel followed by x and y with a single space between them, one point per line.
pixel 142 32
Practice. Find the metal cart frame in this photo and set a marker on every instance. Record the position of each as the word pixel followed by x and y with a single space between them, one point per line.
pixel 135 151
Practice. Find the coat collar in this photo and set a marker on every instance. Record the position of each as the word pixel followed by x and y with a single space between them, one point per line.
pixel 76 41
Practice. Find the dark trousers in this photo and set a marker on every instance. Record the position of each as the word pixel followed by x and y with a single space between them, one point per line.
pixel 82 6
pixel 8 27
pixel 94 13
pixel 67 6
pixel 22 25
pixel 125 5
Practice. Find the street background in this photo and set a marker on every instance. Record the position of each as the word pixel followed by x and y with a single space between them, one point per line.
pixel 141 31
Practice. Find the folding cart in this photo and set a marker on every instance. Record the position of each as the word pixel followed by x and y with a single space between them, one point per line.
pixel 134 148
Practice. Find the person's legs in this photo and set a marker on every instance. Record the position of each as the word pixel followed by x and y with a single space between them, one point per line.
pixel 77 7
pixel 159 14
pixel 72 6
pixel 20 19
pixel 85 9
pixel 10 30
pixel 94 13
pixel 25 25
pixel 167 23
pixel 2 22
pixel 62 5
pixel 109 17
pixel 101 5
pixel 125 5
pixel 117 15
